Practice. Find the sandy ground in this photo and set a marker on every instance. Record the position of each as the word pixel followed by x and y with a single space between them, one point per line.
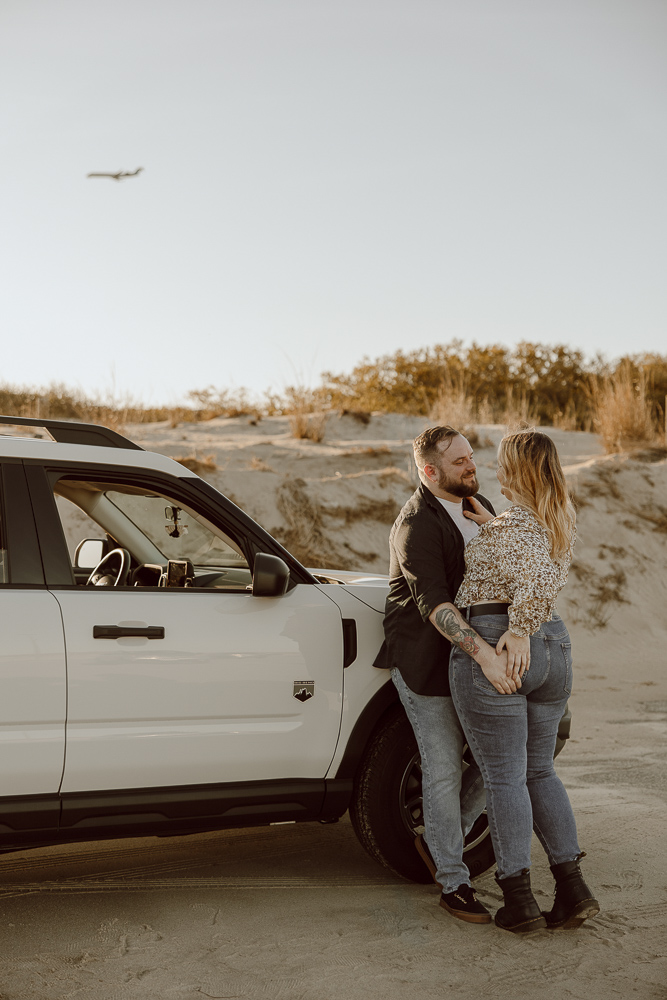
pixel 301 912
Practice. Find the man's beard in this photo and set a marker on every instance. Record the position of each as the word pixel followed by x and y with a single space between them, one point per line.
pixel 456 487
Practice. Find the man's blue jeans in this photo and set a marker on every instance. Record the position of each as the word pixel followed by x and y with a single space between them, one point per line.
pixel 513 738
pixel 452 800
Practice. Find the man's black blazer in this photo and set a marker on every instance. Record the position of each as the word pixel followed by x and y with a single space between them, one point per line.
pixel 426 568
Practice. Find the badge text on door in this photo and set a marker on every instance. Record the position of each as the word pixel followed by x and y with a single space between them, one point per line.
pixel 303 690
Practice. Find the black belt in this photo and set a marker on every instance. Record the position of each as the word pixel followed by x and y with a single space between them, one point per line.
pixel 489 608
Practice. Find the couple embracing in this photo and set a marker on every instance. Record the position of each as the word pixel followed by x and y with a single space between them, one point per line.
pixel 478 655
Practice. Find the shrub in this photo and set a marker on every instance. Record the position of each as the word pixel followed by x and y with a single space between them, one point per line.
pixel 198 464
pixel 306 418
pixel 622 410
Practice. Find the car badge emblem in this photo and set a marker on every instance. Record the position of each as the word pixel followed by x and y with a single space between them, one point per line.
pixel 303 690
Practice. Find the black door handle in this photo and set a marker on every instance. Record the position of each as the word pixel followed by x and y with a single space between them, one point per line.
pixel 117 631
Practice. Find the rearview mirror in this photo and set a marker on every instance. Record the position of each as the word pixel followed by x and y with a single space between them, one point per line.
pixel 270 576
pixel 89 553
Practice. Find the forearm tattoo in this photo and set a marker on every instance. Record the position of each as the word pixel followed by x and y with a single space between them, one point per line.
pixel 465 638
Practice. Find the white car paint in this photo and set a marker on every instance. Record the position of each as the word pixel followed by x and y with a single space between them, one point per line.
pixel 370 589
pixel 34 697
pixel 211 702
pixel 52 451
pixel 362 680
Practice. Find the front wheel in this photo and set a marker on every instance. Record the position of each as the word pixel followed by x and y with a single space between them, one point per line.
pixel 386 808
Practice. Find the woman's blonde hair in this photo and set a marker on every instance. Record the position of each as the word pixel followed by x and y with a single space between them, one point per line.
pixel 535 477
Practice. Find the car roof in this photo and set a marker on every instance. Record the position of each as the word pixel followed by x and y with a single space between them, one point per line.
pixel 54 451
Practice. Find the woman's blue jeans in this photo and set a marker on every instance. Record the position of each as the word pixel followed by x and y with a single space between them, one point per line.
pixel 513 738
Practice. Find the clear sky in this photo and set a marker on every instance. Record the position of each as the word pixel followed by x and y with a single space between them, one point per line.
pixel 324 180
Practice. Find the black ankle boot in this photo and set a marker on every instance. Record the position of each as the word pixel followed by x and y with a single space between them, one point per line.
pixel 521 912
pixel 574 901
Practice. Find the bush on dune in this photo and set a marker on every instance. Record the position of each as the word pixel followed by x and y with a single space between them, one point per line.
pixel 622 410
pixel 449 383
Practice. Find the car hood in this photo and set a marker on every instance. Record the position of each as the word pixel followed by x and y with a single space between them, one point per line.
pixel 369 588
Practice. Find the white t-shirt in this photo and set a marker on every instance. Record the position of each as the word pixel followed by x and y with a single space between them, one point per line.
pixel 468 528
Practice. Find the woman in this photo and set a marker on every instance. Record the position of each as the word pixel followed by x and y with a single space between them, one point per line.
pixel 515 568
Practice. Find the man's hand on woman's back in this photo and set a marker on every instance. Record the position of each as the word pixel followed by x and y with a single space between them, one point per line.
pixel 451 623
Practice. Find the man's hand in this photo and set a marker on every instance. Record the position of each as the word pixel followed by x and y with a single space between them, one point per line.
pixel 496 671
pixel 450 623
pixel 518 653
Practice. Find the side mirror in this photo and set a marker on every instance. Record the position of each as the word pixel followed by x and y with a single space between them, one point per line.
pixel 89 553
pixel 270 576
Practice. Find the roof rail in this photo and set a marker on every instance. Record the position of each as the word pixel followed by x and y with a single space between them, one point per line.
pixel 76 432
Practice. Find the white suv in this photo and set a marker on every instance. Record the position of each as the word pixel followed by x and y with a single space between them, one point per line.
pixel 168 667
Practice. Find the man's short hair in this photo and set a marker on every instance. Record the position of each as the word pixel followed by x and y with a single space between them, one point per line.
pixel 425 445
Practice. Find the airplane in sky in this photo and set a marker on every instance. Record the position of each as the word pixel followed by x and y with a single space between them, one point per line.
pixel 120 174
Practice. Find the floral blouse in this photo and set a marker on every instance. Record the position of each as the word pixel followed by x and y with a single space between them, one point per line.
pixel 510 560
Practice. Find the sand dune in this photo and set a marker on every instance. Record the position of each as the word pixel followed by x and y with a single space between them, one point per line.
pixel 333 502
pixel 352 484
pixel 301 912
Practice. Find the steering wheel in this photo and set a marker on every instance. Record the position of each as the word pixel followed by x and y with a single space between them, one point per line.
pixel 112 570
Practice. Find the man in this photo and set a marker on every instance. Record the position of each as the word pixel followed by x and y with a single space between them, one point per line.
pixel 426 568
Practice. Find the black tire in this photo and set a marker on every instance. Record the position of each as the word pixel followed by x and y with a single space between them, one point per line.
pixel 386 807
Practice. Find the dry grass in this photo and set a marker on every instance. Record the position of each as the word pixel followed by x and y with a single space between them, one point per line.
pixel 364 556
pixel 604 484
pixel 578 501
pixel 304 535
pixel 308 426
pixel 454 406
pixel 307 421
pixel 361 416
pixel 182 415
pixel 519 413
pixel 385 511
pixel 407 475
pixel 622 412
pixel 259 465
pixel 380 451
pixel 529 385
pixel 57 402
pixel 453 403
pixel 566 419
pixel 601 591
pixel 655 514
pixel 658 453
pixel 616 551
pixel 199 464
pixel 212 402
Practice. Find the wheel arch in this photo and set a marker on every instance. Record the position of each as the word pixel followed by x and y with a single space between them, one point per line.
pixel 382 703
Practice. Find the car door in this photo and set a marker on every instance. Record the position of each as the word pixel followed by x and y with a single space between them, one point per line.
pixel 235 688
pixel 32 669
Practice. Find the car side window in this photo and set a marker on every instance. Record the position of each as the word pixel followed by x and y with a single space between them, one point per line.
pixel 170 544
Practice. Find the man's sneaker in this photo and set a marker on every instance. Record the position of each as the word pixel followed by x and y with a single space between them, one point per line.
pixel 426 856
pixel 463 903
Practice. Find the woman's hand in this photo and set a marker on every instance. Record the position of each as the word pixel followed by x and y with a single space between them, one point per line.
pixel 518 653
pixel 480 515
pixel 496 671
